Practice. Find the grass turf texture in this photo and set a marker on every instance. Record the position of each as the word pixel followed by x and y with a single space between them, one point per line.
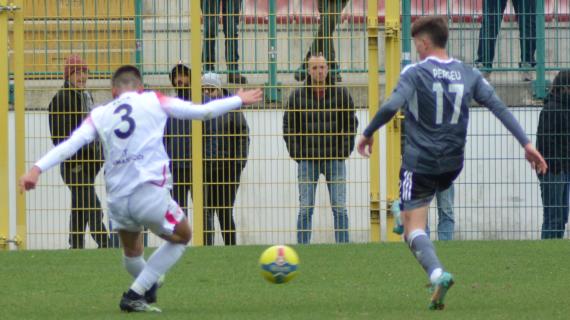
pixel 494 280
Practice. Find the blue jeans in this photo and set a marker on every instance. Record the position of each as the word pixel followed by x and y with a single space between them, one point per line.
pixel 492 18
pixel 308 173
pixel 230 10
pixel 446 222
pixel 554 193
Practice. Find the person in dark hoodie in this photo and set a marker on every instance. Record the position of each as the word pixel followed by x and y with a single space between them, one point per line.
pixel 67 111
pixel 553 141
pixel 178 140
pixel 319 127
pixel 226 146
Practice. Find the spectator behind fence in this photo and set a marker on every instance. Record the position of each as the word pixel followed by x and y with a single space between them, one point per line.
pixel 67 110
pixel 330 11
pixel 445 215
pixel 492 17
pixel 553 141
pixel 230 10
pixel 319 127
pixel 226 146
pixel 178 140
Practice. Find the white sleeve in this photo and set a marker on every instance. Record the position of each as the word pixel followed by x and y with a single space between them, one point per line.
pixel 83 135
pixel 181 109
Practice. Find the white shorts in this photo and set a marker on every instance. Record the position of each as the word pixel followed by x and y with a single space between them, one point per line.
pixel 148 206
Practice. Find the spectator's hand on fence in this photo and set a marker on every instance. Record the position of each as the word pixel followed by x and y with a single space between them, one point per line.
pixel 362 145
pixel 535 159
pixel 250 96
pixel 29 180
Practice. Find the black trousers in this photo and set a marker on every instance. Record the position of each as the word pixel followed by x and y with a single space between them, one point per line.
pixel 493 16
pixel 85 205
pixel 323 43
pixel 221 183
pixel 182 185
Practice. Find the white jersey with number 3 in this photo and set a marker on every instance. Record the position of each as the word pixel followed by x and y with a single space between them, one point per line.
pixel 131 129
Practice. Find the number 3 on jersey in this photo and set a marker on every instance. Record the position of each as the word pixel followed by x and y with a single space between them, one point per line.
pixel 125 117
pixel 453 88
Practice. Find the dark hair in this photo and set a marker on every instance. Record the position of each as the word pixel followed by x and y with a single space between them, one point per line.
pixel 561 80
pixel 127 75
pixel 435 27
pixel 178 69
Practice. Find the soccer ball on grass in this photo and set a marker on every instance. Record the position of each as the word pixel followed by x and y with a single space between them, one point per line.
pixel 279 264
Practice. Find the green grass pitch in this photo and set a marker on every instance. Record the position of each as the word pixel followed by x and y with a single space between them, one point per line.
pixel 494 280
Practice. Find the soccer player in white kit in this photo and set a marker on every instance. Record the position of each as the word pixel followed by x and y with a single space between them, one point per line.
pixel 137 174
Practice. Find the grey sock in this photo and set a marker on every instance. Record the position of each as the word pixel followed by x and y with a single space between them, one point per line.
pixel 423 250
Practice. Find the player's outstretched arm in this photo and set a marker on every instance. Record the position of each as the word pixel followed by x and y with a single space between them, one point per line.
pixel 29 180
pixel 186 110
pixel 250 96
pixel 83 135
pixel 364 146
pixel 535 159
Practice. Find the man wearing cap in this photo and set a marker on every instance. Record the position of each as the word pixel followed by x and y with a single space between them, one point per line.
pixel 67 110
pixel 226 146
pixel 178 140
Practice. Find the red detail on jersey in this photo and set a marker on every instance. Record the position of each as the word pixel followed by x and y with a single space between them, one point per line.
pixel 162 99
pixel 170 218
pixel 280 251
pixel 163 182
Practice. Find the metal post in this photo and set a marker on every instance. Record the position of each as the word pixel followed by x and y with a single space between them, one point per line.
pixel 4 155
pixel 373 101
pixel 197 163
pixel 139 34
pixel 272 89
pixel 20 114
pixel 539 85
pixel 406 33
pixel 393 132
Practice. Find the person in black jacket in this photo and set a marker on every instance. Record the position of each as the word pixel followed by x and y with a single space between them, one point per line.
pixel 553 141
pixel 226 146
pixel 319 127
pixel 67 110
pixel 178 140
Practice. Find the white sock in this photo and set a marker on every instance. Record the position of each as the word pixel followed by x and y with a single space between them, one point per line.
pixel 436 273
pixel 158 264
pixel 134 265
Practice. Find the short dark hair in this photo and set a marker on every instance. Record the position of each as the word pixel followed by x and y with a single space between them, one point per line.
pixel 561 81
pixel 435 27
pixel 127 75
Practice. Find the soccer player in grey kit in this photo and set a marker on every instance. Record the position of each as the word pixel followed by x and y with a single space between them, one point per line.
pixel 435 95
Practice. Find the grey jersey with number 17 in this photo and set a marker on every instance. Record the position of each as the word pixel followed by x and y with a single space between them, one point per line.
pixel 435 95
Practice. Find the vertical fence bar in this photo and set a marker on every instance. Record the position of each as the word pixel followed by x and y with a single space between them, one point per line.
pixel 539 87
pixel 406 33
pixel 139 34
pixel 20 121
pixel 393 132
pixel 4 170
pixel 373 99
pixel 272 91
pixel 197 170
